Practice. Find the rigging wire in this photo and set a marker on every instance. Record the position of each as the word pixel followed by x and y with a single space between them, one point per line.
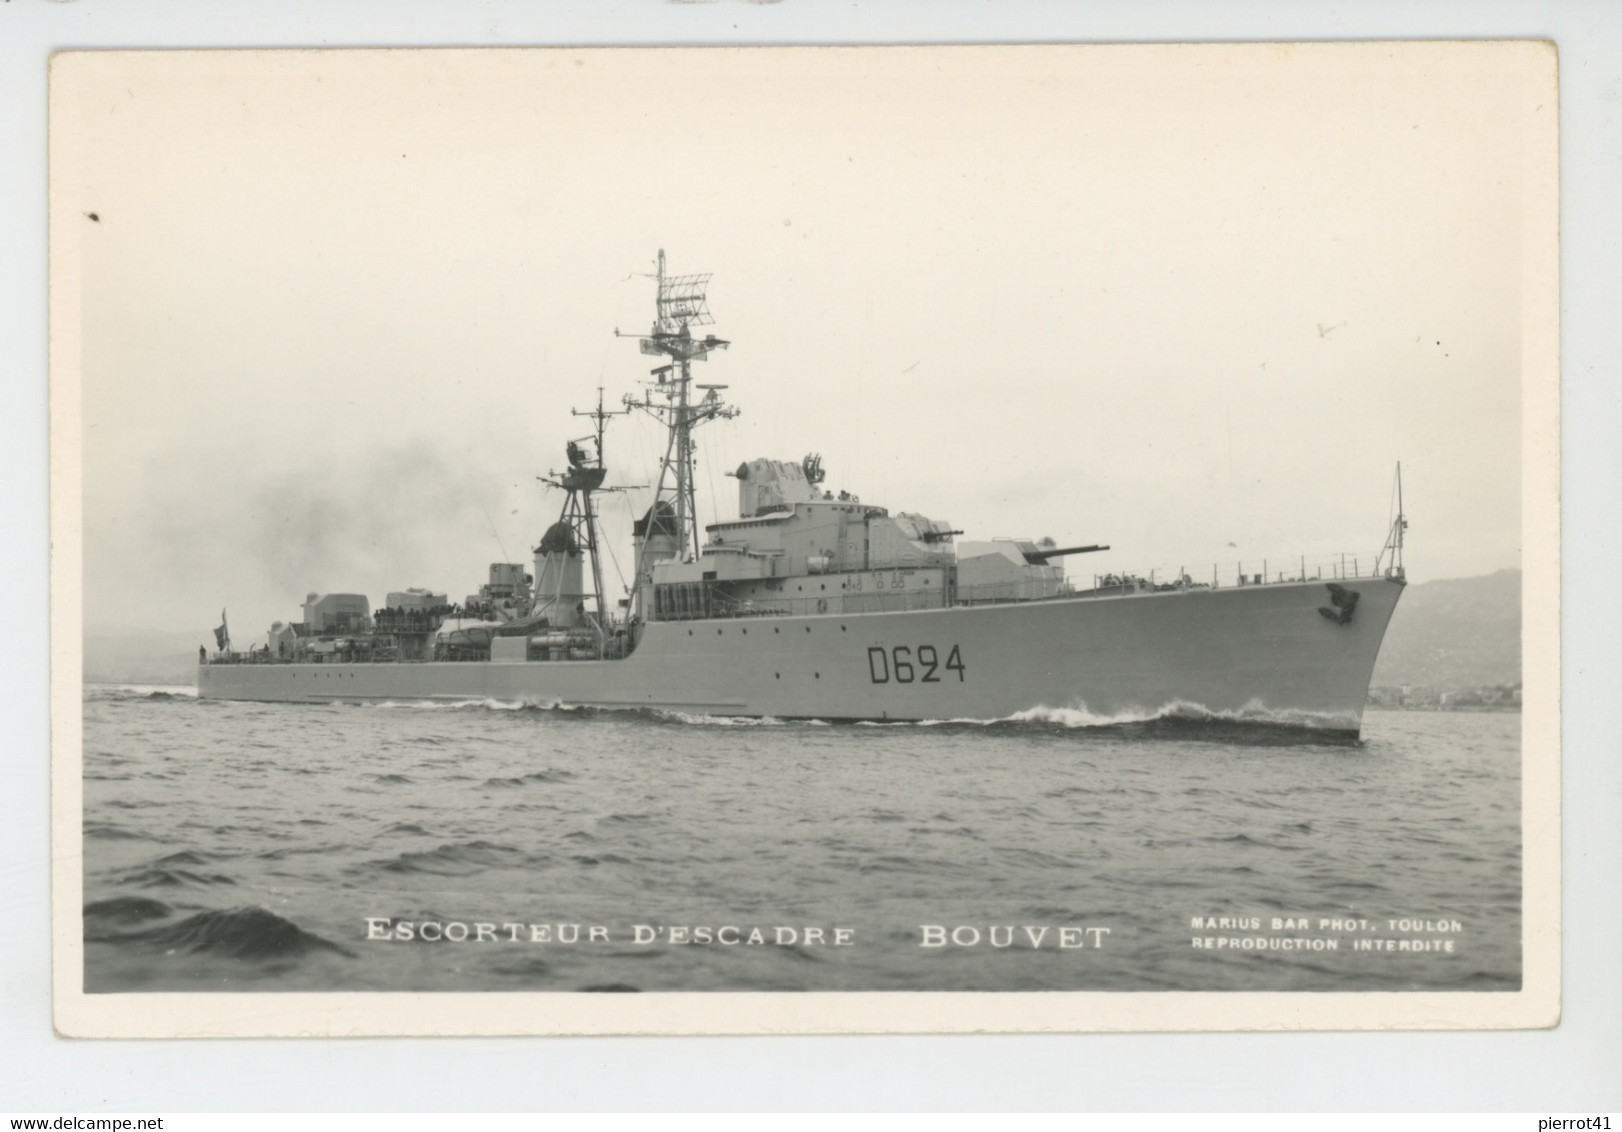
pixel 608 545
pixel 710 473
pixel 495 533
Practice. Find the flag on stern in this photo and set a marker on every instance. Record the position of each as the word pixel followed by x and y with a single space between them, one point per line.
pixel 222 635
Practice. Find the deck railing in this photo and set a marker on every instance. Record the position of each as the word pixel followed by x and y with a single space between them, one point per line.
pixel 1267 571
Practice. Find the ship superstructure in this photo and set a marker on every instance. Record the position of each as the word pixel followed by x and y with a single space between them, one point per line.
pixel 812 603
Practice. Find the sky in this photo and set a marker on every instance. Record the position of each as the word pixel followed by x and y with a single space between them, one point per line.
pixel 334 308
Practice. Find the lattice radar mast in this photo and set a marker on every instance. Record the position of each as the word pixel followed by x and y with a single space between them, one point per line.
pixel 669 398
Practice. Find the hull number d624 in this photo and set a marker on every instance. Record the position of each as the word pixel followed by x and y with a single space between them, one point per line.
pixel 905 664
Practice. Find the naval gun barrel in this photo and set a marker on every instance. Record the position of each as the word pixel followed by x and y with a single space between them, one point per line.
pixel 1040 557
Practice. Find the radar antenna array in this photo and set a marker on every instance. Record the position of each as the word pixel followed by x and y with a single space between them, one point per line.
pixel 681 304
pixel 681 301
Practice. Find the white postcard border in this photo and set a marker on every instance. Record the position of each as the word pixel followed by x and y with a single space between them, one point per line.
pixel 351 1014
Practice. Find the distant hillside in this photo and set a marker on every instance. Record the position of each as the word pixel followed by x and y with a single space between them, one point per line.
pixel 127 657
pixel 1455 633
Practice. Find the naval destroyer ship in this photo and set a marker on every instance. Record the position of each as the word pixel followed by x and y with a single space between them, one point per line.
pixel 812 604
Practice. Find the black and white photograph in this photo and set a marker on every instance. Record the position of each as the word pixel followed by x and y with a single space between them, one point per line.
pixel 705 540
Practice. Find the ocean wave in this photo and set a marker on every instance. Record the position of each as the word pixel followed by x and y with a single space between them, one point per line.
pixel 121 911
pixel 109 831
pixel 1071 717
pixel 455 859
pixel 140 692
pixel 1076 716
pixel 901 863
pixel 174 878
pixel 183 857
pixel 1252 712
pixel 477 703
pixel 1079 717
pixel 1254 724
pixel 550 774
pixel 286 851
pixel 545 777
pixel 565 710
pixel 699 719
pixel 248 932
pixel 1245 839
pixel 524 967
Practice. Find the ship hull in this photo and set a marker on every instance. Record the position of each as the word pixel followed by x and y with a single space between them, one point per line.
pixel 1276 654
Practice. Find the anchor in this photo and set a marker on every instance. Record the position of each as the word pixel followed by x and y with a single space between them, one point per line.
pixel 1344 602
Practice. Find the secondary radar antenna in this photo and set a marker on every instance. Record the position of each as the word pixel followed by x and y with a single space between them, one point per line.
pixel 669 399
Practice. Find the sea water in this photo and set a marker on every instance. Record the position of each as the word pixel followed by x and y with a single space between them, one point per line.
pixel 502 847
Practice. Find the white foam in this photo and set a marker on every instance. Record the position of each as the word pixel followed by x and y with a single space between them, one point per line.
pixel 1076 715
pixel 188 691
pixel 1254 711
pixel 441 705
pixel 721 720
pixel 1079 716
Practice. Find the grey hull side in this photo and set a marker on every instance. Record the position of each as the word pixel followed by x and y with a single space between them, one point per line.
pixel 1261 653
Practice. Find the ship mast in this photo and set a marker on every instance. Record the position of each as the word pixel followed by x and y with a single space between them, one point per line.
pixel 1394 538
pixel 599 417
pixel 1402 526
pixel 670 398
pixel 584 476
